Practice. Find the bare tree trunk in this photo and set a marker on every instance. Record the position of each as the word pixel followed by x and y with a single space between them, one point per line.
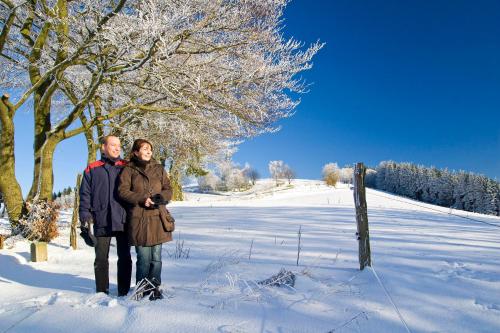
pixel 176 182
pixel 13 197
pixel 92 147
pixel 93 143
pixel 42 97
pixel 46 182
pixel 41 128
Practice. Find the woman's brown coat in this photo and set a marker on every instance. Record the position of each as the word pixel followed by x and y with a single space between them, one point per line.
pixel 145 226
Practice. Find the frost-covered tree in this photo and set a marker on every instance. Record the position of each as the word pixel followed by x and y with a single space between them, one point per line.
pixel 288 173
pixel 406 183
pixel 445 185
pixel 227 176
pixel 391 179
pixel 276 169
pixel 65 199
pixel 208 182
pixel 252 174
pixel 236 180
pixel 346 174
pixel 331 174
pixel 380 176
pixel 371 178
pixel 43 45
pixel 87 65
pixel 183 146
pixel 491 197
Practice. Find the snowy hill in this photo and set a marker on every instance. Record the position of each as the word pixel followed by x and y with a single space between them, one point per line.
pixel 438 270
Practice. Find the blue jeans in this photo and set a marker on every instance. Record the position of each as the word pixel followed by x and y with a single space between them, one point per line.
pixel 148 263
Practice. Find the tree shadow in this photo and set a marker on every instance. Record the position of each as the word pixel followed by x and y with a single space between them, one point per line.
pixel 25 255
pixel 15 271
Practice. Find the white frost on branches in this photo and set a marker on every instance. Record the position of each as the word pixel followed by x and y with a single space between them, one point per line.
pixel 194 76
pixel 280 170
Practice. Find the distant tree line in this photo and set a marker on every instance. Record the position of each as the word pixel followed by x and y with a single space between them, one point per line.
pixel 460 190
pixel 67 191
pixel 64 199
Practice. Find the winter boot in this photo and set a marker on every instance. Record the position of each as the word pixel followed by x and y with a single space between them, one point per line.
pixel 142 289
pixel 156 293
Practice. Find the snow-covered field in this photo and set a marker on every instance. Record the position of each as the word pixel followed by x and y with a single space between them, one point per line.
pixel 441 272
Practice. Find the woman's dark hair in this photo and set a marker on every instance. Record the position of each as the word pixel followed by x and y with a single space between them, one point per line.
pixel 138 143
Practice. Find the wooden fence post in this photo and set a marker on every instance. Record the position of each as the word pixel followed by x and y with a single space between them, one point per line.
pixel 74 219
pixel 361 216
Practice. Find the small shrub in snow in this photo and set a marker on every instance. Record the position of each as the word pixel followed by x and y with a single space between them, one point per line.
pixel 283 278
pixel 40 224
pixel 180 251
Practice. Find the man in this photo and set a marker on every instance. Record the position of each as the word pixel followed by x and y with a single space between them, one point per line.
pixel 103 217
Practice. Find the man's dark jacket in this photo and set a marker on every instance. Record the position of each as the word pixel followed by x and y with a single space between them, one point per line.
pixel 99 199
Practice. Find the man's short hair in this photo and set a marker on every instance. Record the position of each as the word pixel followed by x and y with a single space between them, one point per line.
pixel 105 138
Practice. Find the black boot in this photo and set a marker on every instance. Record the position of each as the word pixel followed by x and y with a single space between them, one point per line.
pixel 156 293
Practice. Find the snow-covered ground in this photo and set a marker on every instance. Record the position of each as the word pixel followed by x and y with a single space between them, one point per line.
pixel 440 271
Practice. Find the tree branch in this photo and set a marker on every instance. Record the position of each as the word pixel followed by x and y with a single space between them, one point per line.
pixel 140 63
pixel 8 3
pixel 78 108
pixel 6 29
pixel 65 63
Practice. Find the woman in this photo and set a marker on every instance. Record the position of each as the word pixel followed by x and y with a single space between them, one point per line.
pixel 145 187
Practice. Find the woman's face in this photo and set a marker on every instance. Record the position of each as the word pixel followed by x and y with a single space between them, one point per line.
pixel 144 153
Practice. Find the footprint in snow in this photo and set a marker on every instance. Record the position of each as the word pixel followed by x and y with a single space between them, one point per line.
pixel 101 299
pixel 455 269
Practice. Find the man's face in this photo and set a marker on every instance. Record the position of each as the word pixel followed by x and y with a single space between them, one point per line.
pixel 112 147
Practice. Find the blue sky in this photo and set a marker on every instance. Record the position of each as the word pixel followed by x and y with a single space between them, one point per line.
pixel 414 81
